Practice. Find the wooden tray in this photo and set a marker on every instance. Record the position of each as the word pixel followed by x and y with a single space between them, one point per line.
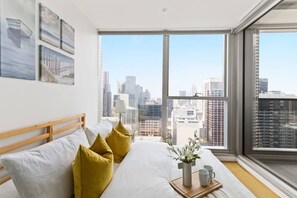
pixel 195 191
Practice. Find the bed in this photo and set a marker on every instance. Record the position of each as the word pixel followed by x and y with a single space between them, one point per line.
pixel 145 171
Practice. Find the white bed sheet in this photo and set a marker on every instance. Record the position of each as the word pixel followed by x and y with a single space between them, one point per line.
pixel 147 169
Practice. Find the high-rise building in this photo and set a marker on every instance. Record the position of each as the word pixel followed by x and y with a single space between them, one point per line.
pixel 277 121
pixel 182 102
pixel 106 95
pixel 184 124
pixel 146 95
pixel 149 120
pixel 214 112
pixel 263 85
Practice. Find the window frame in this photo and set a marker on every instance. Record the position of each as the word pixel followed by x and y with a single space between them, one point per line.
pixel 225 98
pixel 230 74
pixel 249 76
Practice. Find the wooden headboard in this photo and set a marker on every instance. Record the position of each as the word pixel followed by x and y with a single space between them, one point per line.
pixel 49 132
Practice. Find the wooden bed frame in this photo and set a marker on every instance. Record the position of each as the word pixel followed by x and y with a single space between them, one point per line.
pixel 49 133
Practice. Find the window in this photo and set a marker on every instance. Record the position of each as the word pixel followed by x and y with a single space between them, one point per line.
pixel 195 76
pixel 275 103
pixel 270 94
pixel 132 71
pixel 196 101
pixel 194 59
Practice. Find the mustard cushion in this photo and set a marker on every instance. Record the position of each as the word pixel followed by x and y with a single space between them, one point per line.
pixel 121 128
pixel 119 144
pixel 92 169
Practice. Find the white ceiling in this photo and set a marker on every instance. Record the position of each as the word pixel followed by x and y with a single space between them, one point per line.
pixel 165 14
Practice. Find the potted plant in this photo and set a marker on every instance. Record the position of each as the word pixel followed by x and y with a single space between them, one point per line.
pixel 187 155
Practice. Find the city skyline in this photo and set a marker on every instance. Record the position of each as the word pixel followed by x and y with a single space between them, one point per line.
pixel 141 56
pixel 132 55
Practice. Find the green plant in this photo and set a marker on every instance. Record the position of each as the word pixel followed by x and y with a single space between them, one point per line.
pixel 187 153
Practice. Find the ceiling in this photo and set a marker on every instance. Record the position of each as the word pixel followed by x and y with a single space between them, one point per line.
pixel 132 15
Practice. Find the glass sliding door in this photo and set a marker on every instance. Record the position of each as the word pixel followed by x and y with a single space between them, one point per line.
pixel 270 102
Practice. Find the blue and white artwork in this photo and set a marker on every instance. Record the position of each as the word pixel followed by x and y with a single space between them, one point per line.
pixel 67 37
pixel 18 39
pixel 49 26
pixel 56 67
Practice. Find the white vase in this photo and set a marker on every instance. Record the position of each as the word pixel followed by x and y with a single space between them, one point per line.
pixel 187 173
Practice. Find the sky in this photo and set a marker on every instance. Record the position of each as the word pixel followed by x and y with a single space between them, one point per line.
pixel 192 60
pixel 278 61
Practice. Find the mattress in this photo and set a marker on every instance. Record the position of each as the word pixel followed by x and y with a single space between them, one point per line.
pixel 146 171
pixel 148 167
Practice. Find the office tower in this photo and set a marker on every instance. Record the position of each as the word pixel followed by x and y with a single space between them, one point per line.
pixel 263 85
pixel 184 123
pixel 149 119
pixel 130 88
pixel 276 123
pixel 139 94
pixel 146 95
pixel 106 95
pixel 214 112
pixel 182 102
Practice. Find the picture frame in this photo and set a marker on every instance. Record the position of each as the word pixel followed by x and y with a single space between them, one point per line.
pixel 67 37
pixel 55 67
pixel 49 26
pixel 17 59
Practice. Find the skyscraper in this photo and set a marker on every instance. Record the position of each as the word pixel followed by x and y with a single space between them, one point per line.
pixel 130 88
pixel 106 95
pixel 149 119
pixel 214 112
pixel 277 121
pixel 263 85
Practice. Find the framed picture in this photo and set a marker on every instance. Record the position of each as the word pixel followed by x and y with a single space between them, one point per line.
pixel 17 58
pixel 67 37
pixel 49 26
pixel 55 67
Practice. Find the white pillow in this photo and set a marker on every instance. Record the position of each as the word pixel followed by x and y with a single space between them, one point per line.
pixel 103 128
pixel 45 171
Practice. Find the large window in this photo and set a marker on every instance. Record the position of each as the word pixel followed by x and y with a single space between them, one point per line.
pixel 277 93
pixel 173 85
pixel 132 71
pixel 193 60
pixel 270 102
pixel 197 100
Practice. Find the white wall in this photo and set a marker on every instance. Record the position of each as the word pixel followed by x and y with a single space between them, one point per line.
pixel 24 102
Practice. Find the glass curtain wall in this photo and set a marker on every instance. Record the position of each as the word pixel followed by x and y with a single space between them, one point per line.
pixel 271 92
pixel 196 101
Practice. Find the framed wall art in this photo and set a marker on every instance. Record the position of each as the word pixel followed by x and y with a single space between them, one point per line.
pixel 49 26
pixel 55 67
pixel 18 39
pixel 67 37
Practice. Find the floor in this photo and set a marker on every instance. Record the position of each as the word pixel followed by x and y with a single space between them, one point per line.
pixel 251 182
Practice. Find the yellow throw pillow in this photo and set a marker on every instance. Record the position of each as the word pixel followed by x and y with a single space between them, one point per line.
pixel 92 169
pixel 119 144
pixel 121 128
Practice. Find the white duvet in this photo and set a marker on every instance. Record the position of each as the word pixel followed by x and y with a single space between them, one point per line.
pixel 148 167
pixel 146 171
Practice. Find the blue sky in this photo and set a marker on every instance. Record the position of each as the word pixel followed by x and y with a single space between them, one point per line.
pixel 193 59
pixel 278 61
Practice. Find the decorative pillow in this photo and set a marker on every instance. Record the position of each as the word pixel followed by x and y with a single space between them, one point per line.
pixel 121 128
pixel 92 169
pixel 119 144
pixel 45 171
pixel 103 128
